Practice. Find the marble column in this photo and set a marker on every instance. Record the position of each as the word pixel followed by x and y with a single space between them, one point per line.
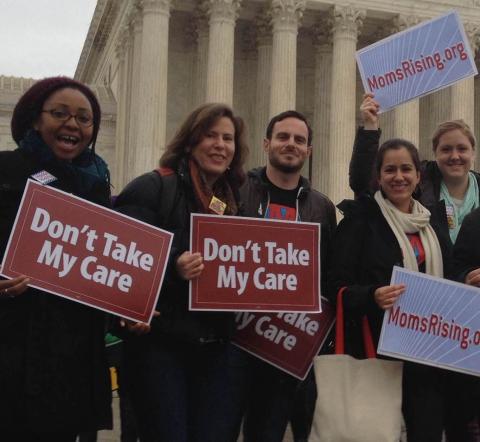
pixel 463 92
pixel 153 85
pixel 133 147
pixel 264 68
pixel 286 15
pixel 122 53
pixel 406 117
pixel 222 16
pixel 201 62
pixel 346 22
pixel 321 111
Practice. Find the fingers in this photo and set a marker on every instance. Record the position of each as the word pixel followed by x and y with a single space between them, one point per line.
pixel 473 278
pixel 190 265
pixel 386 296
pixel 369 112
pixel 14 287
pixel 138 328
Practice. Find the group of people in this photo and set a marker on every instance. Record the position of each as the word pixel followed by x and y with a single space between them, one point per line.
pixel 186 380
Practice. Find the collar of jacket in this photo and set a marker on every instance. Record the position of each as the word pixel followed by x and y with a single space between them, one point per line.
pixel 258 175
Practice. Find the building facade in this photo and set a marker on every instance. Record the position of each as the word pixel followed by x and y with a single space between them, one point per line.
pixel 161 58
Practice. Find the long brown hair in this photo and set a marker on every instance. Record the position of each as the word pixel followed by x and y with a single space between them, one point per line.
pixel 192 131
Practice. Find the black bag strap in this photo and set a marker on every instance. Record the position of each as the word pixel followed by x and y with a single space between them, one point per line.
pixel 167 196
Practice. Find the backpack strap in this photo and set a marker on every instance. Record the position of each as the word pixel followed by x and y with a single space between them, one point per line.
pixel 168 195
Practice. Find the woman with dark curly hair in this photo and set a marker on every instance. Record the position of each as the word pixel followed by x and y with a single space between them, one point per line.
pixel 54 379
pixel 186 378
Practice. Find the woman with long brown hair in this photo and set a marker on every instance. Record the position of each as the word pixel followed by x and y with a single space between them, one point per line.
pixel 183 373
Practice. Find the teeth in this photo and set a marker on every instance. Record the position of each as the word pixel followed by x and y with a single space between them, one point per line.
pixel 68 138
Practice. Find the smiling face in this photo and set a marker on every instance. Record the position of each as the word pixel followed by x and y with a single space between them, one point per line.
pixel 288 148
pixel 398 177
pixel 66 138
pixel 454 155
pixel 215 151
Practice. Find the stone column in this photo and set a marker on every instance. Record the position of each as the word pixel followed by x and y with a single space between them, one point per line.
pixel 286 15
pixel 222 16
pixel 321 111
pixel 346 25
pixel 153 85
pixel 406 117
pixel 463 93
pixel 122 52
pixel 133 146
pixel 201 62
pixel 264 69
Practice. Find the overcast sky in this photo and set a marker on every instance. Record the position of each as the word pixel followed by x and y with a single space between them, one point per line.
pixel 41 38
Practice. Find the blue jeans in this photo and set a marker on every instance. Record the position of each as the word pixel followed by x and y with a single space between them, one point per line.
pixel 186 392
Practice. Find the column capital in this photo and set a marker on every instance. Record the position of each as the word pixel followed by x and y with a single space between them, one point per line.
pixel 401 22
pixel 473 34
pixel 286 14
pixel 222 10
pixel 347 20
pixel 156 6
pixel 263 23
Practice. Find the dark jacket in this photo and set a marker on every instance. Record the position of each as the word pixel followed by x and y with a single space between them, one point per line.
pixel 313 207
pixel 466 252
pixel 145 199
pixel 362 163
pixel 53 370
pixel 365 250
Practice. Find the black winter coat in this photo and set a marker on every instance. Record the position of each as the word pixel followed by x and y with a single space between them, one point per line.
pixel 466 252
pixel 167 202
pixel 313 206
pixel 53 371
pixel 365 250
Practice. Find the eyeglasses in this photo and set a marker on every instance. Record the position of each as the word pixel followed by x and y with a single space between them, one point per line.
pixel 82 119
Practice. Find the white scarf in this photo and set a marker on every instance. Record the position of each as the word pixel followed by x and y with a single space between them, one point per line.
pixel 417 221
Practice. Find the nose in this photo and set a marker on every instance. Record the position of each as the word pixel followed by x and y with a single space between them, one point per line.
pixel 72 123
pixel 219 142
pixel 398 175
pixel 454 154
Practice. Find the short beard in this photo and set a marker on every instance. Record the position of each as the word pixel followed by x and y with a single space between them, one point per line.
pixel 285 168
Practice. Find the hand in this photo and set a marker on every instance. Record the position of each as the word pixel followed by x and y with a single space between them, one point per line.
pixel 386 296
pixel 138 328
pixel 13 287
pixel 369 112
pixel 190 265
pixel 473 278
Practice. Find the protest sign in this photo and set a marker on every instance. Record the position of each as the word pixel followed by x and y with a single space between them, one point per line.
pixel 434 322
pixel 255 264
pixel 87 253
pixel 422 59
pixel 288 341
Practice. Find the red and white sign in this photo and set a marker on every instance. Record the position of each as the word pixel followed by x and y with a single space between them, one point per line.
pixel 254 264
pixel 289 341
pixel 79 250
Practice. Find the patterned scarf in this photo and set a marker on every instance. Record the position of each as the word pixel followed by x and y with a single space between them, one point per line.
pixel 203 194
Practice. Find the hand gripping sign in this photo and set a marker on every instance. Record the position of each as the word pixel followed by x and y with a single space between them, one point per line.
pixel 419 60
pixel 254 264
pixel 87 253
pixel 435 322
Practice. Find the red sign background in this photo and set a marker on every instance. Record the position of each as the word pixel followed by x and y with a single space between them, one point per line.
pixel 289 342
pixel 284 277
pixel 117 276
